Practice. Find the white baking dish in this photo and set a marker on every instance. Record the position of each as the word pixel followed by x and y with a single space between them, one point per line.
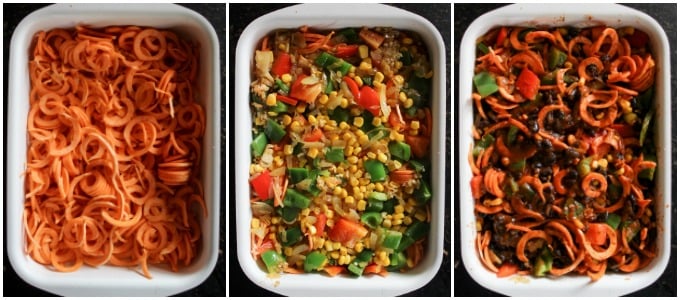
pixel 581 15
pixel 338 16
pixel 109 280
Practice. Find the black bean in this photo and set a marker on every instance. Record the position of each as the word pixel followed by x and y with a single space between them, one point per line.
pixel 591 69
pixel 574 95
pixel 605 58
pixel 544 145
pixel 532 125
pixel 572 153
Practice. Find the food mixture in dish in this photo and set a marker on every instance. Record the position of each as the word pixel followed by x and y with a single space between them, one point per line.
pixel 564 158
pixel 114 149
pixel 341 134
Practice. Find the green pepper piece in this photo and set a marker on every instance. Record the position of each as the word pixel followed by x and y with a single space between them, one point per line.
pixel 573 209
pixel 295 199
pixel 291 236
pixel 631 228
pixel 423 193
pixel 289 213
pixel 329 83
pixel 350 35
pixel 511 187
pixel 297 174
pixel 367 80
pixel 297 149
pixel 549 79
pixel 388 206
pixel 584 166
pixel 614 220
pixel 374 205
pixel 405 242
pixel 485 84
pixel 518 166
pixel 314 261
pixel 400 150
pixel 614 190
pixel 273 261
pixel 339 115
pixel 406 58
pixel 512 134
pixel 417 230
pixel 543 263
pixel 282 86
pixel 274 131
pixel 377 196
pixel 371 219
pixel 526 192
pixel 258 144
pixel 376 170
pixel 422 87
pixel 645 126
pixel 360 262
pixel 397 261
pixel 279 107
pixel 483 47
pixel 332 63
pixel 483 143
pixel 556 58
pixel 391 239
pixel 335 155
pixel 418 166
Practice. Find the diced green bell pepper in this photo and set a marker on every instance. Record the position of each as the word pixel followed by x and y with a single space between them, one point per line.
pixel 295 199
pixel 335 154
pixel 360 262
pixel 613 220
pixel 274 131
pixel 371 219
pixel 391 239
pixel 556 58
pixel 400 150
pixel 376 170
pixel 485 84
pixel 273 261
pixel 314 261
pixel 258 144
pixel 297 174
pixel 291 236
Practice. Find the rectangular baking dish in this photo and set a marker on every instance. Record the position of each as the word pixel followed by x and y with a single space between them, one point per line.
pixel 110 280
pixel 581 15
pixel 332 16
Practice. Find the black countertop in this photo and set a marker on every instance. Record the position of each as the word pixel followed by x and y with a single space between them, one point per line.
pixel 215 284
pixel 240 15
pixel 665 14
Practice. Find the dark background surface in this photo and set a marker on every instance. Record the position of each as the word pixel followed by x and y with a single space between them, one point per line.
pixel 215 285
pixel 240 15
pixel 665 14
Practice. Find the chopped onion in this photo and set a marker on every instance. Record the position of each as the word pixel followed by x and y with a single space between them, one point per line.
pixel 382 94
pixel 261 209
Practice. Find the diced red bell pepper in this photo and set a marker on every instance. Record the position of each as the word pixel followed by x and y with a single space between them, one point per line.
pixel 507 269
pixel 353 87
pixel 262 184
pixel 282 64
pixel 369 99
pixel 286 99
pixel 305 92
pixel 345 231
pixel 346 51
pixel 502 35
pixel 419 145
pixel 528 84
pixel 395 122
pixel 333 270
pixel 313 136
pixel 320 223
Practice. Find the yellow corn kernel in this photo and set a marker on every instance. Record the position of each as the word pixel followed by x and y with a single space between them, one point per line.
pixel 371 155
pixel 352 69
pixel 382 157
pixel 361 205
pixel 402 96
pixel 408 103
pixel 343 102
pixel 276 220
pixel 358 247
pixel 295 126
pixel 397 215
pixel 398 65
pixel 255 223
pixel 379 187
pixel 363 51
pixel 343 251
pixel 271 99
pixel 396 222
pixel 358 121
pixel 337 191
pixel 305 212
pixel 399 209
pixel 288 251
pixel 257 168
pixel 421 216
pixel 376 122
pixel 357 150
pixel 399 80
pixel 358 80
pixel 286 78
pixel 344 193
pixel 328 245
pixel 408 220
pixel 336 245
pixel 313 152
pixel 335 255
pixel 387 223
pixel 407 41
pixel 349 200
pixel 323 99
pixel 352 159
pixel 415 124
pixel 363 139
pixel 330 214
pixel 568 65
pixel 312 120
pixel 378 77
pixel 410 263
pixel 301 108
pixel 365 66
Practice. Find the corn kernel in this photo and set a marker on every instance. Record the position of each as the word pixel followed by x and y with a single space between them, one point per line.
pixel 323 99
pixel 421 216
pixel 376 122
pixel 301 108
pixel 328 245
pixel 286 120
pixel 295 126
pixel 271 99
pixel 366 67
pixel 352 159
pixel 286 78
pixel 398 65
pixel 363 139
pixel 305 212
pixel 358 80
pixel 358 121
pixel 387 223
pixel 399 209
pixel 379 187
pixel 353 168
pixel 349 200
pixel 407 41
pixel 363 51
pixel 344 193
pixel 336 245
pixel 357 150
pixel 408 103
pixel 396 222
pixel 378 77
pixel 402 97
pixel 408 220
pixel 288 251
pixel 399 80
pixel 335 255
pixel 382 157
pixel 603 163
pixel 343 102
pixel 255 223
pixel 415 124
pixel 361 205
pixel 312 120
pixel 371 155
pixel 288 149
pixel 313 152
pixel 276 220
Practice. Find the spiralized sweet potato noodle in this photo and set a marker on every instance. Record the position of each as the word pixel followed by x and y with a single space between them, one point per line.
pixel 588 55
pixel 114 141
